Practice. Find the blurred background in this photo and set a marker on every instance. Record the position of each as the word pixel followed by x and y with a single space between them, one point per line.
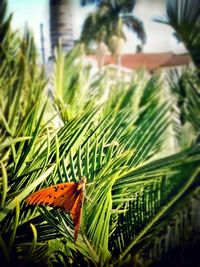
pixel 34 13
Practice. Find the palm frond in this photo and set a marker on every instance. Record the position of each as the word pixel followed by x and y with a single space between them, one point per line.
pixel 183 16
pixel 136 25
pixel 185 88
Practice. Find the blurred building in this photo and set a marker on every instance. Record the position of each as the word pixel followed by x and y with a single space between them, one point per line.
pixel 148 61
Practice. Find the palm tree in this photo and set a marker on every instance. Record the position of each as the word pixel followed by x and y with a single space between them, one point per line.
pixel 61 24
pixel 108 21
pixel 61 27
pixel 110 13
pixel 4 26
pixel 184 16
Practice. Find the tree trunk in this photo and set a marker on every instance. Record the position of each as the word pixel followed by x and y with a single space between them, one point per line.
pixel 61 25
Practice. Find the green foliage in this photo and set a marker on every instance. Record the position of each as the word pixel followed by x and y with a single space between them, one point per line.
pixel 114 133
pixel 70 83
pixel 184 87
pixel 22 107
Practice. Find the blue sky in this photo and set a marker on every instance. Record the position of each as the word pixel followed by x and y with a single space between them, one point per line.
pixel 35 12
